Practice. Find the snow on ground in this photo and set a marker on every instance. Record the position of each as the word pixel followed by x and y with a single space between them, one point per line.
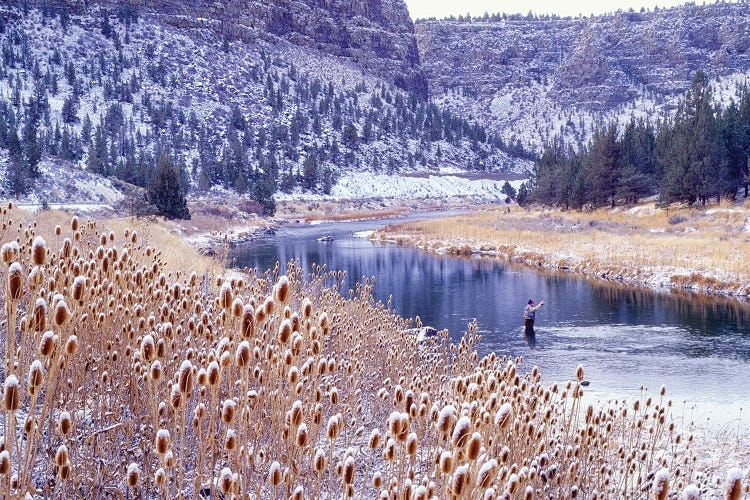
pixel 65 186
pixel 363 185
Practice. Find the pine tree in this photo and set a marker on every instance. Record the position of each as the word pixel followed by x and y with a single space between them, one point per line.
pixel 509 190
pixel 604 166
pixel 310 172
pixel 523 194
pixel 328 180
pixel 696 159
pixel 165 192
pixel 32 153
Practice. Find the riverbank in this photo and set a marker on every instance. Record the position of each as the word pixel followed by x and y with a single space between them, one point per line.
pixel 221 221
pixel 700 250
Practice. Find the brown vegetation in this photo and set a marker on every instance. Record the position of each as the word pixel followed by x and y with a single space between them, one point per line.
pixel 702 250
pixel 122 376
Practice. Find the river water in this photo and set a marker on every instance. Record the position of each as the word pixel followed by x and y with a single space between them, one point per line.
pixel 625 338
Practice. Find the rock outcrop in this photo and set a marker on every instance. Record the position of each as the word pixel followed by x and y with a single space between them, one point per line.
pixel 378 35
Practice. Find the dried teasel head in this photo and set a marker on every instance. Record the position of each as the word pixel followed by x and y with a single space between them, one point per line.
pixel 733 489
pixel 661 484
pixel 226 296
pixel 148 348
pixel 243 354
pixel 306 308
pixel 460 480
pixel 298 493
pixel 319 461
pixel 160 476
pixel 461 432
pixel 348 473
pixel 296 413
pixel 247 323
pixel 62 456
pixel 71 345
pixel 169 459
pixel 4 462
pixel 226 480
pixel 15 281
pixel 133 474
pixel 274 474
pixel 374 441
pixel 333 427
pixel 61 314
pixel 237 307
pixel 230 440
pixel 377 480
pixel 446 462
pixel 503 416
pixel 185 379
pixel 47 343
pixel 64 423
pixel 285 331
pixel 474 446
pixel 302 436
pixel 213 373
pixel 38 251
pixel 39 316
pixel 487 473
pixel 155 371
pixel 175 396
pixel 412 444
pixel 12 394
pixel 446 420
pixel 162 441
pixel 10 252
pixel 228 409
pixel 36 377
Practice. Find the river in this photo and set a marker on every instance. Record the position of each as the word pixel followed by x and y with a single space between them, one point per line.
pixel 625 337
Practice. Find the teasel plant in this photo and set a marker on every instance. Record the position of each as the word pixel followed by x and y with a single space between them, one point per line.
pixel 144 379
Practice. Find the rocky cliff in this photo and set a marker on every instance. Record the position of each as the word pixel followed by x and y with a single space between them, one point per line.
pixel 378 35
pixel 530 76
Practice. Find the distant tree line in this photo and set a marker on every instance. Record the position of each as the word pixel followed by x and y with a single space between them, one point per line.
pixel 698 154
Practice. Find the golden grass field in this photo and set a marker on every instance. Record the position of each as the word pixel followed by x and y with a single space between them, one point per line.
pixel 705 250
pixel 125 375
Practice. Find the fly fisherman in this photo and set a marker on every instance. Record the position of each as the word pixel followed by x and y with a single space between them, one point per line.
pixel 529 314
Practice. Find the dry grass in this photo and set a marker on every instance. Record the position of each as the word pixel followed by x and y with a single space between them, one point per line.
pixel 700 249
pixel 120 377
pixel 340 211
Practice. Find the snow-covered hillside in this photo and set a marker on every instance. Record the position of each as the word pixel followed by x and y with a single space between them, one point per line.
pixel 110 93
pixel 530 78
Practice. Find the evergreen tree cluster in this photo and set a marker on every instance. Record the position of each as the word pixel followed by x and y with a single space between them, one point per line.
pixel 699 153
pixel 121 112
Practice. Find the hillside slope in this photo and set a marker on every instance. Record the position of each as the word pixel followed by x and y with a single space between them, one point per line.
pixel 529 78
pixel 113 86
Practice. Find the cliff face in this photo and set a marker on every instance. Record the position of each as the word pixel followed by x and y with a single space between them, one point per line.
pixel 378 35
pixel 594 64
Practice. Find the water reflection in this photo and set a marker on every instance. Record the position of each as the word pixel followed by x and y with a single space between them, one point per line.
pixel 625 337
